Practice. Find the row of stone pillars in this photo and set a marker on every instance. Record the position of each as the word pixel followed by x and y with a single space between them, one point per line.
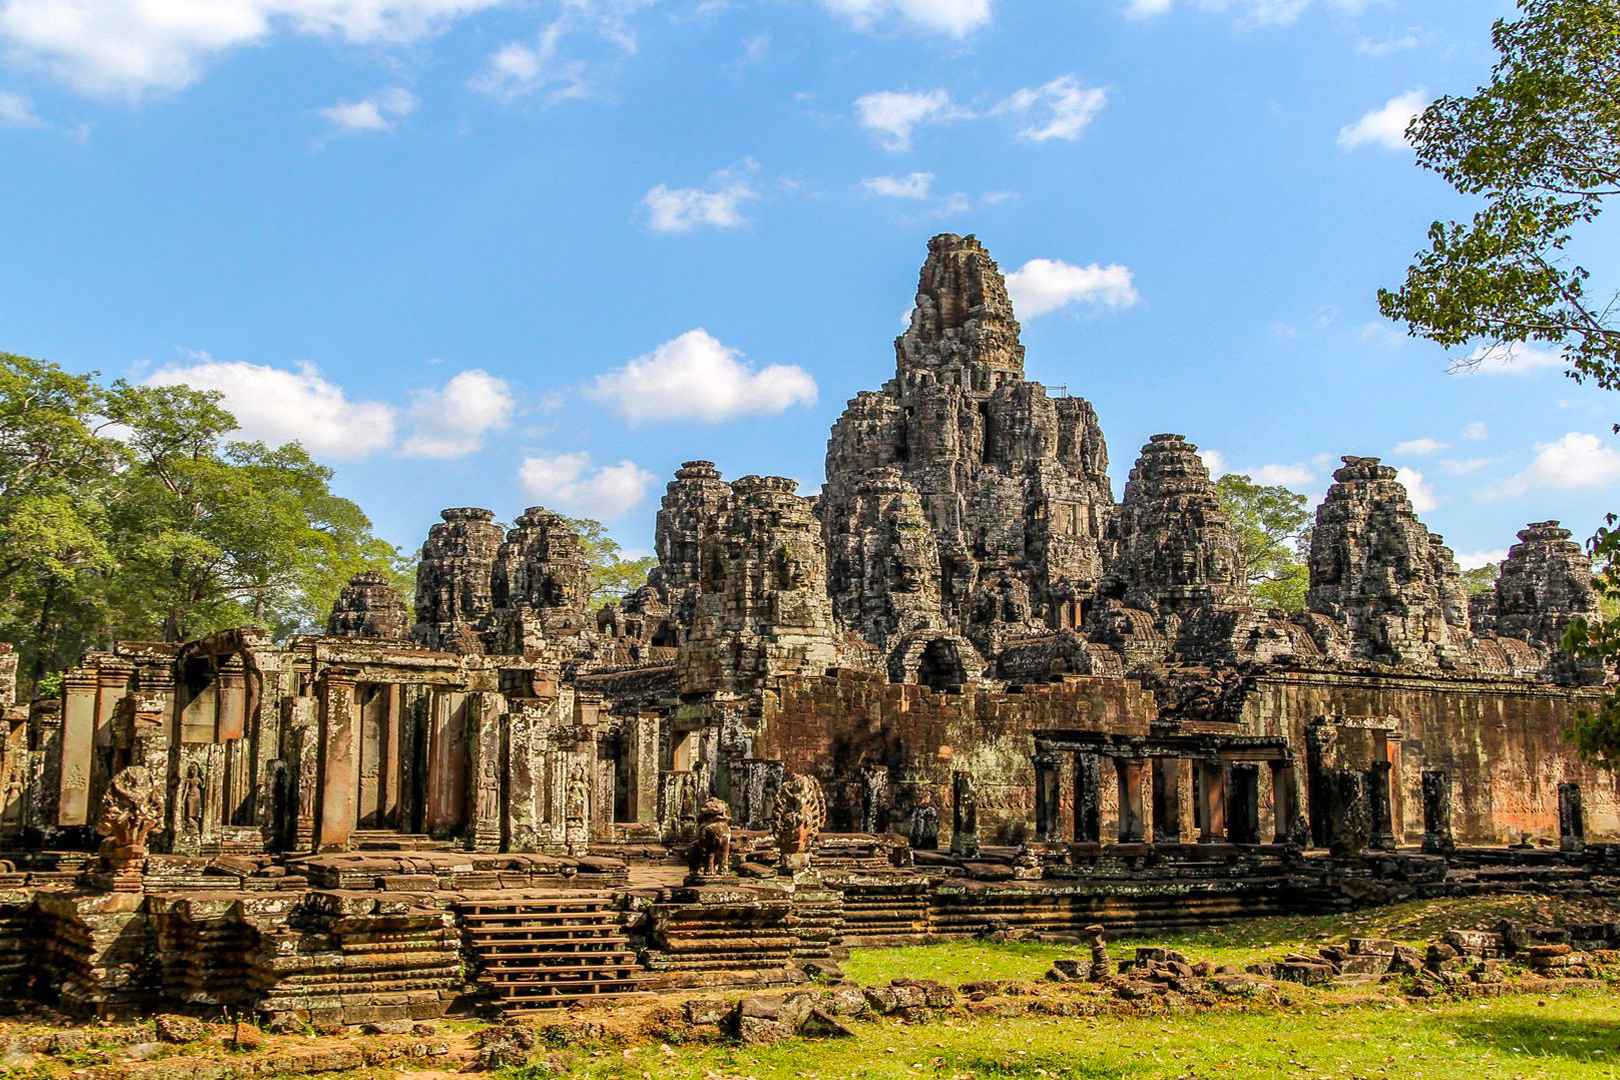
pixel 1228 794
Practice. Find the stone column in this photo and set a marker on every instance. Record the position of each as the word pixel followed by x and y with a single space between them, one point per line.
pixel 1378 807
pixel 1048 799
pixel 392 772
pixel 1087 798
pixel 1243 803
pixel 112 683
pixel 523 780
pixel 1284 801
pixel 484 730
pixel 78 746
pixel 1437 837
pixel 1131 817
pixel 446 794
pixel 964 816
pixel 1167 800
pixel 1571 819
pixel 334 817
pixel 874 799
pixel 1212 792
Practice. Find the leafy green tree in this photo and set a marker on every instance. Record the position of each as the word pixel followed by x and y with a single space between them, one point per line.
pixel 1540 144
pixel 1272 525
pixel 1481 579
pixel 612 575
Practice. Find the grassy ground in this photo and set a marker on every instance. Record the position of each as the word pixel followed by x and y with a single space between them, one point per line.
pixel 1240 943
pixel 1552 1037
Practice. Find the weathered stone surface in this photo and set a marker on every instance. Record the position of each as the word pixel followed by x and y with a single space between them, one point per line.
pixel 369 607
pixel 540 583
pixel 1545 582
pixel 453 579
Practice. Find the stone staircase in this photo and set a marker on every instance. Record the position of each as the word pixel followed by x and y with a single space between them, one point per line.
pixel 389 840
pixel 542 952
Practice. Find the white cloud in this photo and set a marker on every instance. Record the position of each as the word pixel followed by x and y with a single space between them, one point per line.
pixel 129 48
pixel 1515 359
pixel 1473 560
pixel 1288 476
pixel 1045 285
pixel 1463 466
pixel 1145 9
pixel 1385 126
pixel 1417 489
pixel 17 110
pixel 379 112
pixel 575 484
pixel 893 114
pixel 696 377
pixel 1248 13
pixel 1417 447
pixel 1476 431
pixel 1411 39
pixel 954 18
pixel 518 68
pixel 674 210
pixel 912 186
pixel 1215 462
pixel 1577 460
pixel 1059 109
pixel 278 406
pixel 452 421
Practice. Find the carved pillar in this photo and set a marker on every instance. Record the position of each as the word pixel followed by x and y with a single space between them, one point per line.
pixel 874 799
pixel 1087 798
pixel 484 709
pixel 1243 803
pixel 1048 798
pixel 523 782
pixel 335 804
pixel 78 746
pixel 964 817
pixel 1212 807
pixel 1167 800
pixel 447 763
pixel 392 773
pixel 1437 837
pixel 1131 817
pixel 112 684
pixel 1382 837
pixel 1284 800
pixel 1571 819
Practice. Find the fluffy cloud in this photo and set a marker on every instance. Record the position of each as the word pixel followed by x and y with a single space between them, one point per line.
pixel 1577 460
pixel 1473 560
pixel 913 186
pixel 526 67
pixel 1476 431
pixel 452 421
pixel 893 114
pixel 1418 447
pixel 954 18
pixel 695 377
pixel 1515 359
pixel 1146 9
pixel 1417 489
pixel 379 112
pixel 1385 126
pixel 1284 475
pixel 1463 466
pixel 1059 109
pixel 1215 462
pixel 1045 285
pixel 127 48
pixel 278 406
pixel 676 210
pixel 1248 13
pixel 575 484
pixel 18 111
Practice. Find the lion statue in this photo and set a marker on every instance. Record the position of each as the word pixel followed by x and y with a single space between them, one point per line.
pixel 801 813
pixel 711 851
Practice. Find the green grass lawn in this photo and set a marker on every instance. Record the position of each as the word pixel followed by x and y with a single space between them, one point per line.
pixel 1554 1036
pixel 1238 943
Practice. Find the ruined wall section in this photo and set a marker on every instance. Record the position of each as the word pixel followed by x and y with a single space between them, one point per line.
pixel 540 584
pixel 1011 482
pixel 369 607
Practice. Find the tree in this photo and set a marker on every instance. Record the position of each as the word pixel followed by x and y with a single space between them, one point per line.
pixel 1541 145
pixel 1481 579
pixel 1272 530
pixel 612 575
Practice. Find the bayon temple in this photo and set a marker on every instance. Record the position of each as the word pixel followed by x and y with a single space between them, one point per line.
pixel 962 687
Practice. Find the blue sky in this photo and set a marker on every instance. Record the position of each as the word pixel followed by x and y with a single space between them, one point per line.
pixel 476 252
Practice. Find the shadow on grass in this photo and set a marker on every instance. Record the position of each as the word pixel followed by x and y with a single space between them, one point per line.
pixel 1527 1029
pixel 1048 1065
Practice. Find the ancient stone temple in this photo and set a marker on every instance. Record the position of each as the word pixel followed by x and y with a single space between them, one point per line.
pixel 960 687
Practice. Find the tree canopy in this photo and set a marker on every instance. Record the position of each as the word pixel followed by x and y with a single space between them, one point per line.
pixel 612 575
pixel 127 512
pixel 1272 525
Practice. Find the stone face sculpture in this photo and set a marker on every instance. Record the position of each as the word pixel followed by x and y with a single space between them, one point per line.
pixel 801 812
pixel 711 851
pixel 131 810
